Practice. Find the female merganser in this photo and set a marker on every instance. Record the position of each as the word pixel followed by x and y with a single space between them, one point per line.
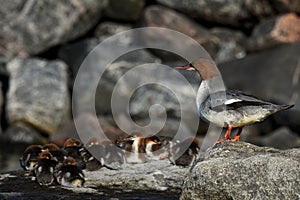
pixel 230 109
pixel 45 167
pixel 30 156
pixel 69 174
pixel 183 153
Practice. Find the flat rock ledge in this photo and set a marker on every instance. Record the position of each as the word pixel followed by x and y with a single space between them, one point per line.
pixel 155 179
pixel 230 170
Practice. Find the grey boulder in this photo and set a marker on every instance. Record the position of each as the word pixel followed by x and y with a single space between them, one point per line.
pixel 238 170
pixel 38 94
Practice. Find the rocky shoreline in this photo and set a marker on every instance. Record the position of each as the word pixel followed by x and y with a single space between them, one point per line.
pixel 230 170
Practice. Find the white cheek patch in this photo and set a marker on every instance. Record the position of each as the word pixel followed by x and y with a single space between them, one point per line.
pixel 230 101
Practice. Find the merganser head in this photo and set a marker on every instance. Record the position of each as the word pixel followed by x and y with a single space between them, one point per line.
pixel 45 155
pixel 70 161
pixel 92 141
pixel 72 142
pixel 50 147
pixel 206 68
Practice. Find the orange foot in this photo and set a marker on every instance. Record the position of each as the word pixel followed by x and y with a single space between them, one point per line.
pixel 226 137
pixel 236 138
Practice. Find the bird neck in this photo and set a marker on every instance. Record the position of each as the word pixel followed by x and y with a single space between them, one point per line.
pixel 208 87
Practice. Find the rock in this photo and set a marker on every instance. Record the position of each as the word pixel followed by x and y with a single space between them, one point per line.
pixel 108 29
pixel 74 54
pixel 113 73
pixel 33 27
pixel 1 104
pixel 274 31
pixel 158 16
pixel 38 93
pixel 20 132
pixel 286 5
pixel 281 138
pixel 154 175
pixel 169 129
pixel 127 10
pixel 238 170
pixel 158 93
pixel 234 13
pixel 262 75
pixel 230 44
pixel 87 127
pixel 19 184
pixel 149 95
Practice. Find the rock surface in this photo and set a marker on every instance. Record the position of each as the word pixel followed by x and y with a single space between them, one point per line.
pixel 154 175
pixel 231 170
pixel 230 44
pixel 281 138
pixel 26 188
pixel 21 132
pixel 124 10
pixel 234 13
pixel 38 93
pixel 274 31
pixel 286 5
pixel 159 16
pixel 237 170
pixel 108 28
pixel 33 26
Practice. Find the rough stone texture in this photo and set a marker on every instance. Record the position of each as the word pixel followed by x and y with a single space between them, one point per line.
pixel 124 10
pixel 270 75
pixel 107 29
pixel 114 73
pixel 74 53
pixel 274 31
pixel 20 132
pixel 154 175
pixel 238 170
pixel 88 127
pixel 159 16
pixel 33 26
pixel 20 185
pixel 235 13
pixel 1 104
pixel 38 93
pixel 281 138
pixel 286 5
pixel 149 95
pixel 230 44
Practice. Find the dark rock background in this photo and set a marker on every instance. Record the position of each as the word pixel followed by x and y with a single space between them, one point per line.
pixel 42 44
